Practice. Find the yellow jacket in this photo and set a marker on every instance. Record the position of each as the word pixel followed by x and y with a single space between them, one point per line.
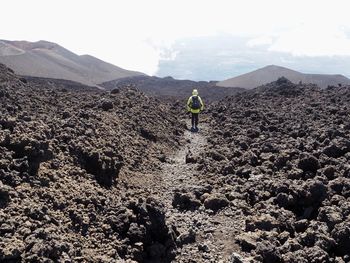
pixel 189 104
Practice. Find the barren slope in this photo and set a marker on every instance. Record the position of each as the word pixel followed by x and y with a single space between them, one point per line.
pixel 272 73
pixel 49 60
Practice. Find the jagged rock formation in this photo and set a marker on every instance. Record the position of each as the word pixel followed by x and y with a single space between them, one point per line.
pixel 285 154
pixel 66 159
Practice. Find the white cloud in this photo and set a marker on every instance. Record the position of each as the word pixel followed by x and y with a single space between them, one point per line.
pixel 260 41
pixel 133 33
pixel 307 40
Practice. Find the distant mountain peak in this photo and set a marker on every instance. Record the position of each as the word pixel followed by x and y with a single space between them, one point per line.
pixel 276 67
pixel 272 66
pixel 271 73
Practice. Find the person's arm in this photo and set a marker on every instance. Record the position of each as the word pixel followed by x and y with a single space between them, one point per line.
pixel 189 104
pixel 202 104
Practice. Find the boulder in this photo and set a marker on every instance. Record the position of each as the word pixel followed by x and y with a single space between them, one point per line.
pixel 341 235
pixel 185 201
pixel 106 105
pixel 309 163
pixel 236 258
pixel 216 202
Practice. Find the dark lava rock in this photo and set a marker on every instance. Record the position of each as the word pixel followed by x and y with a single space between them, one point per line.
pixel 185 201
pixel 216 202
pixel 268 252
pixel 288 157
pixel 104 165
pixel 338 148
pixel 284 200
pixel 61 155
pixel 301 225
pixel 148 134
pixel 151 229
pixel 13 251
pixel 136 233
pixel 309 164
pixel 190 158
pixel 236 258
pixel 186 238
pixel 264 222
pixel 106 105
pixel 115 91
pixel 4 195
pixel 247 242
pixel 330 171
pixel 330 215
pixel 76 176
pixel 341 235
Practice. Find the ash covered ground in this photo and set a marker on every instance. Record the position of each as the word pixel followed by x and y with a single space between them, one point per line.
pixel 88 176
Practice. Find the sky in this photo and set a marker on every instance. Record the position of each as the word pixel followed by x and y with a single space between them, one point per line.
pixel 146 35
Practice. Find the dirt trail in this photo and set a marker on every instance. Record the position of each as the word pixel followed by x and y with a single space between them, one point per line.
pixel 205 236
pixel 176 172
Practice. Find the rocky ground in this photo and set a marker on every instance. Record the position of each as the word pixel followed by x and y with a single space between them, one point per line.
pixel 113 177
pixel 66 162
pixel 60 84
pixel 280 155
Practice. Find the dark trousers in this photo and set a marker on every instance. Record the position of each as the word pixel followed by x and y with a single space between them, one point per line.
pixel 195 120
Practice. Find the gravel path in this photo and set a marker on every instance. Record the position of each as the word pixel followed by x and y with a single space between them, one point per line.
pixel 205 236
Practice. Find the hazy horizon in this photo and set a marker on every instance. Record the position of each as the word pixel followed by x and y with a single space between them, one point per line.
pixel 211 63
pixel 198 40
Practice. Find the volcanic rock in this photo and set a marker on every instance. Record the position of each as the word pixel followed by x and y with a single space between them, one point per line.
pixel 185 201
pixel 215 202
pixel 67 160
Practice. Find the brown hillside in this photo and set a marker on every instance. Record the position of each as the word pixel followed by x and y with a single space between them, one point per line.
pixel 272 73
pixel 49 60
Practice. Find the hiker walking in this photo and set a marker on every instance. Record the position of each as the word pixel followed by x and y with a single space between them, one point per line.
pixel 195 106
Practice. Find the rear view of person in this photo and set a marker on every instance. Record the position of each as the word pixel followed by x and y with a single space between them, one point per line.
pixel 195 106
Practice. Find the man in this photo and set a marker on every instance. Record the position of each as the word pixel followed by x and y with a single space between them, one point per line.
pixel 195 106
